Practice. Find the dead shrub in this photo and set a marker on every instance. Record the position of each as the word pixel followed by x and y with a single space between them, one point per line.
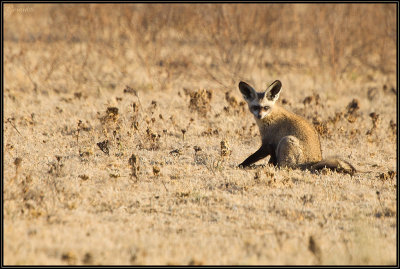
pixel 200 101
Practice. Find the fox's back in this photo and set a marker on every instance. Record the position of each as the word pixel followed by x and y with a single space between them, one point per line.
pixel 281 123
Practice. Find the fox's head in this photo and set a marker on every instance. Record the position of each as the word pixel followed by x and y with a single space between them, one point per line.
pixel 260 103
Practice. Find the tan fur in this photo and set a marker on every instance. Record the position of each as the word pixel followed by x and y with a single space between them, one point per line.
pixel 335 164
pixel 281 123
pixel 289 139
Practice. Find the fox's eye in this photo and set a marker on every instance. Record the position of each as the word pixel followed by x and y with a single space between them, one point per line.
pixel 266 107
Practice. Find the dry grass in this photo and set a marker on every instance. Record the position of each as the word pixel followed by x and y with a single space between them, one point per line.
pixel 123 127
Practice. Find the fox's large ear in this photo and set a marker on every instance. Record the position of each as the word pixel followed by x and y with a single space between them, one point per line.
pixel 272 92
pixel 247 91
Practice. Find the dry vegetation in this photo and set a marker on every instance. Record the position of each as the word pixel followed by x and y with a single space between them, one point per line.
pixel 123 127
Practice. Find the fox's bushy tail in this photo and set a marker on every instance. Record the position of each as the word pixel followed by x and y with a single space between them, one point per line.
pixel 335 164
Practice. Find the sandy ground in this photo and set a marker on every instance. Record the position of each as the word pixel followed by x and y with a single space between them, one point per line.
pixel 121 168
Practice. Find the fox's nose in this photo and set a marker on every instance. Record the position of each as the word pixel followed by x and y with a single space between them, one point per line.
pixel 259 116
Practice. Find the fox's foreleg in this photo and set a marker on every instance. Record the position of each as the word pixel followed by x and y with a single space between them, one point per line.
pixel 262 152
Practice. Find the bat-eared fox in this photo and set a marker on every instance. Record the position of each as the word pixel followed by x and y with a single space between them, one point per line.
pixel 289 139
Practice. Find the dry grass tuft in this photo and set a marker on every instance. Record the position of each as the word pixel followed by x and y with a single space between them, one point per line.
pixel 200 101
